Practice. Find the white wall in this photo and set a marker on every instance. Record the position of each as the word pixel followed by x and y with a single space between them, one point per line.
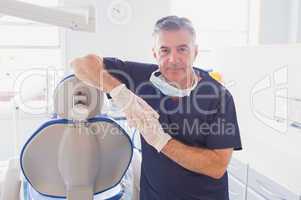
pixel 16 128
pixel 6 142
pixel 264 80
pixel 130 41
pixel 274 21
pixel 279 21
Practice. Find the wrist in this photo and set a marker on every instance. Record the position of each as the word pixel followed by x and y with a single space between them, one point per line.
pixel 115 91
pixel 108 82
pixel 162 141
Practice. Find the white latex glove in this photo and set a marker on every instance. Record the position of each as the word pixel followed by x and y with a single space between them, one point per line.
pixel 154 134
pixel 136 110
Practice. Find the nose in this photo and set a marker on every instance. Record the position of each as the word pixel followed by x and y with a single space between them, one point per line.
pixel 173 57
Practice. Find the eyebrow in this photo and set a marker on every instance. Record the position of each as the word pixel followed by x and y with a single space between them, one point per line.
pixel 164 47
pixel 182 45
pixel 179 46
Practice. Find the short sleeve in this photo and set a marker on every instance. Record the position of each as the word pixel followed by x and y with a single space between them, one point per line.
pixel 224 130
pixel 132 74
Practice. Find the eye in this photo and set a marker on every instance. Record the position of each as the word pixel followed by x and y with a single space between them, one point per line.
pixel 164 51
pixel 183 49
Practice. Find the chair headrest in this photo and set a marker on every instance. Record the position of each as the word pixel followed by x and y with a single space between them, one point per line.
pixel 73 99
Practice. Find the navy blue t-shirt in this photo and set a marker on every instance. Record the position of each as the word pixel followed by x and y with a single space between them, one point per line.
pixel 205 119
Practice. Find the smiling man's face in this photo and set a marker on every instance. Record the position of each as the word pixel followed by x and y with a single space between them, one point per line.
pixel 175 53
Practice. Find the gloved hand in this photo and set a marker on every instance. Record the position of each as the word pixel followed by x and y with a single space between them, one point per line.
pixel 136 110
pixel 141 116
pixel 154 134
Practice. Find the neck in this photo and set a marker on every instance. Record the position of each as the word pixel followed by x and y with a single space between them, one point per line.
pixel 186 83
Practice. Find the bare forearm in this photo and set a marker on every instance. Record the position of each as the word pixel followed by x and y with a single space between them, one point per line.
pixel 199 160
pixel 91 70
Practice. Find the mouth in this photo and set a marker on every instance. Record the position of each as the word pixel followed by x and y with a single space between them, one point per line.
pixel 175 69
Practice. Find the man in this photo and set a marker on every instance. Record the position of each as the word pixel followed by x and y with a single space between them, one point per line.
pixel 187 120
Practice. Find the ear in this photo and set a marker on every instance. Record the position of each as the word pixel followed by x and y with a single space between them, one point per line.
pixel 196 52
pixel 154 53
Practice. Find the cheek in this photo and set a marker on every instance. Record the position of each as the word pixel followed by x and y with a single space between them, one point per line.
pixel 163 62
pixel 162 59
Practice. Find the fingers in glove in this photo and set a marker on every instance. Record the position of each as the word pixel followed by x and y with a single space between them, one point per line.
pixel 136 121
pixel 131 100
pixel 148 108
pixel 131 120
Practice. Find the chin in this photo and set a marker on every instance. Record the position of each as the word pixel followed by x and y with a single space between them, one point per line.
pixel 179 73
pixel 176 77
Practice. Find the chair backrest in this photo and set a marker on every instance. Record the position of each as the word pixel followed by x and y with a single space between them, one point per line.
pixel 78 155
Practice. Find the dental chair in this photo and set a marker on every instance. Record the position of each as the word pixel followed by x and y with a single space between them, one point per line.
pixel 79 155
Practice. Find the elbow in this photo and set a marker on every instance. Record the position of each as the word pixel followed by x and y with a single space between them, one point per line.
pixel 219 169
pixel 218 173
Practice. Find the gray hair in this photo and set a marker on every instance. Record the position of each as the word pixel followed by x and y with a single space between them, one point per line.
pixel 174 23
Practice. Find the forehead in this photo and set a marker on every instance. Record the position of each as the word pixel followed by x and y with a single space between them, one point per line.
pixel 173 38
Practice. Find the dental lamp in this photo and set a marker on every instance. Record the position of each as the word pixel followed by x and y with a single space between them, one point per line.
pixel 52 16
